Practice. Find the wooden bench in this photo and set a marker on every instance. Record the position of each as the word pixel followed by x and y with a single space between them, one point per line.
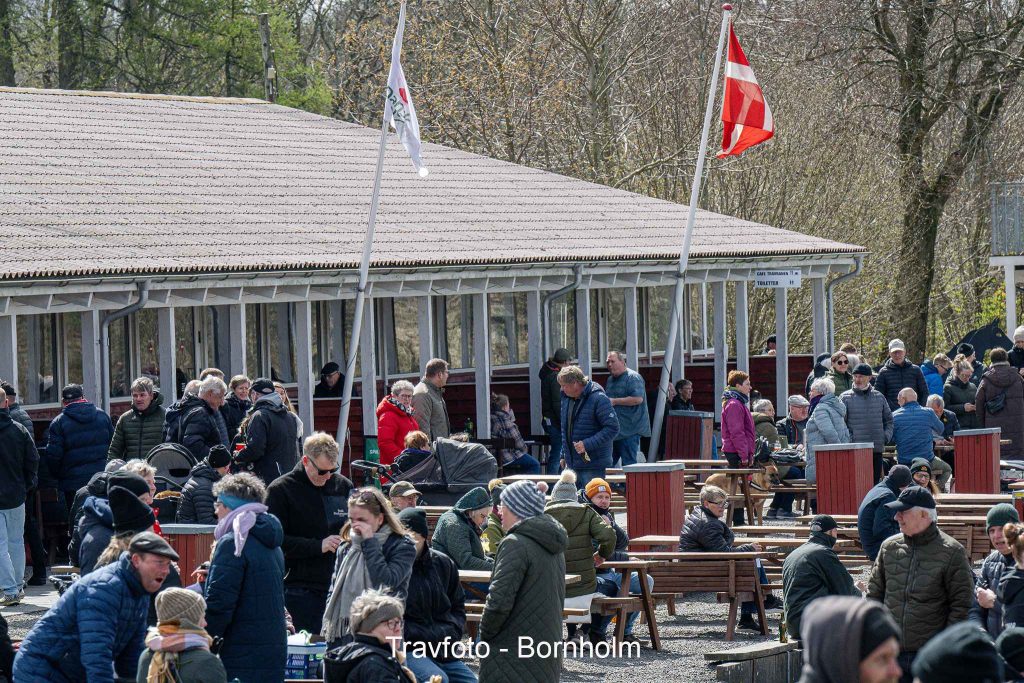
pixel 733 577
pixel 475 612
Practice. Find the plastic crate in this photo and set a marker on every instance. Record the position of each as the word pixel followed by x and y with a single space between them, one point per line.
pixel 304 658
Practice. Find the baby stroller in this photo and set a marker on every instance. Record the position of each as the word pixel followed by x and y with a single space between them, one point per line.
pixel 172 462
pixel 452 469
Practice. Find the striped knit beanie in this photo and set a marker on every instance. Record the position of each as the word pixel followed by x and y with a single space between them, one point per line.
pixel 523 499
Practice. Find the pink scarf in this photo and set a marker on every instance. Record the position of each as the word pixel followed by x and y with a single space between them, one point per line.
pixel 240 521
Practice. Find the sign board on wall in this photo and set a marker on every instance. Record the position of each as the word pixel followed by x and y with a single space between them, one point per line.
pixel 776 278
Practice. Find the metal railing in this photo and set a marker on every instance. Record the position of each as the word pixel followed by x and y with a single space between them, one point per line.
pixel 1008 219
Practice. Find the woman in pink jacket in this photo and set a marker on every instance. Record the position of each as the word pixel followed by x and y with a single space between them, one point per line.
pixel 738 436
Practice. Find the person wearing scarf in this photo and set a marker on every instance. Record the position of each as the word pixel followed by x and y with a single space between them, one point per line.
pixel 375 625
pixel 375 554
pixel 245 584
pixel 738 435
pixel 178 648
pixel 395 419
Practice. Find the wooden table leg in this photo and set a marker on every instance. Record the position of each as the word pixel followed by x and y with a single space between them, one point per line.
pixel 731 492
pixel 648 599
pixel 747 501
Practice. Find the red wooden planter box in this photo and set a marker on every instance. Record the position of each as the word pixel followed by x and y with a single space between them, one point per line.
pixel 689 434
pixel 845 475
pixel 654 504
pixel 193 543
pixel 977 460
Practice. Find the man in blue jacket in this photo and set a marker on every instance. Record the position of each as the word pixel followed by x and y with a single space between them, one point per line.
pixel 77 441
pixel 875 522
pixel 95 631
pixel 914 431
pixel 589 425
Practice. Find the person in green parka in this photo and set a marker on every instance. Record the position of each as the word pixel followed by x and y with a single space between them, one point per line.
pixel 526 593
pixel 178 648
pixel 586 529
pixel 493 533
pixel 841 373
pixel 457 533
pixel 140 428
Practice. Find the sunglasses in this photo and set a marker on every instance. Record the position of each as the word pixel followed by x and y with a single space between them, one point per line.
pixel 333 470
pixel 842 362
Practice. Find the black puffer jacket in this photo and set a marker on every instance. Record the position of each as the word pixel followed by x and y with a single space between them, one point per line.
pixel 97 486
pixel 810 572
pixel 202 429
pixel 992 570
pixel 19 461
pixel 364 660
pixel 892 378
pixel 704 532
pixel 957 394
pixel 172 419
pixel 926 582
pixel 271 439
pixel 435 610
pixel 1011 594
pixel 234 410
pixel 1016 357
pixel 196 504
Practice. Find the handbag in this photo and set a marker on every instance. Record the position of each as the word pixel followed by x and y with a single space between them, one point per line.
pixel 996 404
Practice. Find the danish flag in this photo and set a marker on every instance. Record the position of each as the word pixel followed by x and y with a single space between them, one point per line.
pixel 746 118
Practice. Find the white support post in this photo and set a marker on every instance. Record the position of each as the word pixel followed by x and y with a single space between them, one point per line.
pixel 368 366
pixel 304 362
pixel 236 335
pixel 721 344
pixel 9 349
pixel 818 316
pixel 742 333
pixel 535 352
pixel 426 329
pixel 781 350
pixel 167 354
pixel 632 328
pixel 482 365
pixel 583 329
pixel 91 367
pixel 1010 277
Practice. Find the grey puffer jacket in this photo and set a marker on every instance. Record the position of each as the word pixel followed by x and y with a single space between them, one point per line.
pixel 827 424
pixel 868 417
pixel 925 581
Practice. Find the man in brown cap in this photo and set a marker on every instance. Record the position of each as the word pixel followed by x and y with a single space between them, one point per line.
pixel 403 495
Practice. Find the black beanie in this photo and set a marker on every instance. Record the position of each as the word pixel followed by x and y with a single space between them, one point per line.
pixel 130 513
pixel 415 519
pixel 127 480
pixel 218 457
pixel 878 628
pixel 963 652
pixel 899 476
pixel 1010 645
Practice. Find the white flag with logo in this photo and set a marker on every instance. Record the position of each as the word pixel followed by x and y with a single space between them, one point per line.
pixel 398 109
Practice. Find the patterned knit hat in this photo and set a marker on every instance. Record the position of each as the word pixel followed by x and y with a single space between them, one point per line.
pixel 182 606
pixel 565 489
pixel 524 499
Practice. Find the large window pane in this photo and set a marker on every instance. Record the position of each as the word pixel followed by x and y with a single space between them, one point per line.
pixel 659 309
pixel 149 345
pixel 254 356
pixel 508 329
pixel 406 349
pixel 73 346
pixel 615 318
pixel 120 357
pixel 459 331
pixel 281 332
pixel 37 359
pixel 184 357
pixel 562 324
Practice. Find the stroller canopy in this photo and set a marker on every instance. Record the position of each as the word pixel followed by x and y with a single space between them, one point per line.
pixel 172 461
pixel 465 465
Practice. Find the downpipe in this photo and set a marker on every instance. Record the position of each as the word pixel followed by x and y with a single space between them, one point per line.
pixel 858 265
pixel 143 289
pixel 546 306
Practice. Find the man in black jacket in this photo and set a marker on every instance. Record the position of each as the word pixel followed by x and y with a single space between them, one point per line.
pixel 271 436
pixel 876 522
pixel 551 402
pixel 898 373
pixel 197 499
pixel 312 503
pixel 813 571
pixel 204 427
pixel 987 610
pixel 18 464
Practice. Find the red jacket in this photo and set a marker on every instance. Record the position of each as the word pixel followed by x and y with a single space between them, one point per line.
pixel 392 426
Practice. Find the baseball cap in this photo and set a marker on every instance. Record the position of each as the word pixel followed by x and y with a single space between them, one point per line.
pixel 863 369
pixel 823 523
pixel 912 497
pixel 897 345
pixel 72 392
pixel 262 386
pixel 148 542
pixel 402 489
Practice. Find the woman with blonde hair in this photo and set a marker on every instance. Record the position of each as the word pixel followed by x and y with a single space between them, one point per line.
pixel 299 428
pixel 374 553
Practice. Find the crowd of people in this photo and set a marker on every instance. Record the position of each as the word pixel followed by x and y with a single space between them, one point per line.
pixel 299 548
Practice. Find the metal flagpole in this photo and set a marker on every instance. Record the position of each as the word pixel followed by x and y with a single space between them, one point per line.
pixel 684 255
pixel 364 274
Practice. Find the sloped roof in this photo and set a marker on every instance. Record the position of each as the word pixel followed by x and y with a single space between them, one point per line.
pixel 105 183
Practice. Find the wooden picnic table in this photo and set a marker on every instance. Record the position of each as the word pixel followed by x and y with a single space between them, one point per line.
pixel 974 498
pixel 484 576
pixel 625 568
pixel 656 541
pixel 739 478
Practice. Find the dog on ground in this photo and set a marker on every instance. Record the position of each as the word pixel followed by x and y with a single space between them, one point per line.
pixel 764 480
